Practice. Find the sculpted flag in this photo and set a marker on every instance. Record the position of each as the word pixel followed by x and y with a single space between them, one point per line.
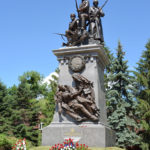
pixel 78 102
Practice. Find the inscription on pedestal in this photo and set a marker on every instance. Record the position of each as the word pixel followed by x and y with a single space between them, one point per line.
pixel 75 136
pixel 72 132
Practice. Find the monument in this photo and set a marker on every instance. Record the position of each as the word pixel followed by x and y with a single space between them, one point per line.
pixel 80 111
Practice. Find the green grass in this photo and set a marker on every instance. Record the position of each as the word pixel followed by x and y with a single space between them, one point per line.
pixel 40 148
pixel 108 148
pixel 47 148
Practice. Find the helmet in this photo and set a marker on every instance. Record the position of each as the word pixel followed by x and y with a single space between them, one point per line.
pixel 72 15
pixel 95 1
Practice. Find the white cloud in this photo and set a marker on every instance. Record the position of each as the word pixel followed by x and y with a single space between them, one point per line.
pixel 49 77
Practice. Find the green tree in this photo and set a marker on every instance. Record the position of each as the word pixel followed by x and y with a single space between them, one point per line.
pixel 30 87
pixel 25 116
pixel 9 103
pixel 3 94
pixel 23 107
pixel 121 104
pixel 108 70
pixel 143 95
pixel 48 104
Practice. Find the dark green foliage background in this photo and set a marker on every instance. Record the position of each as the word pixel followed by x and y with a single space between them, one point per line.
pixel 24 107
pixel 128 99
pixel 121 104
pixel 143 96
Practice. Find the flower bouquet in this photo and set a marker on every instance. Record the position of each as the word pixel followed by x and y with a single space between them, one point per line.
pixel 20 145
pixel 69 145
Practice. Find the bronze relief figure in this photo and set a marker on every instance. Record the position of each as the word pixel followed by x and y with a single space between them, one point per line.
pixel 79 101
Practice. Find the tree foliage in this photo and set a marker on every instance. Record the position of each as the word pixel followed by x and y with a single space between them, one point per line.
pixel 121 106
pixel 23 107
pixel 3 121
pixel 48 105
pixel 143 95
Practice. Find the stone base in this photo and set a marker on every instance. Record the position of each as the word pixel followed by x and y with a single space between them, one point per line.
pixel 64 127
pixel 93 135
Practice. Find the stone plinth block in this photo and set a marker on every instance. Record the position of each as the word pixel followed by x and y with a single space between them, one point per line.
pixel 93 135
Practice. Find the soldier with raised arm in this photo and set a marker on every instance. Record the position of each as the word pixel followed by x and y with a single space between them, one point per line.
pixel 84 13
pixel 69 99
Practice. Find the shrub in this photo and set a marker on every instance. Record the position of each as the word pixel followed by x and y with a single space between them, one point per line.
pixel 7 142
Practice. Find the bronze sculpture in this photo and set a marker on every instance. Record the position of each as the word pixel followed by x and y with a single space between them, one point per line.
pixel 78 102
pixel 90 17
pixel 72 33
pixel 95 28
pixel 84 13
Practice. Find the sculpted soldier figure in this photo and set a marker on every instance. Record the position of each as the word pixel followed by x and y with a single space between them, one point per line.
pixel 73 104
pixel 62 97
pixel 77 34
pixel 77 102
pixel 87 92
pixel 95 27
pixel 72 32
pixel 84 13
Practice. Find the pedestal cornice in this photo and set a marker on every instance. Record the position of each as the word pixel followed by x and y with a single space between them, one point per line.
pixel 93 50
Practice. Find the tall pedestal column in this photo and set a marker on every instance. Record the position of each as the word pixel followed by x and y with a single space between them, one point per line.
pixel 93 59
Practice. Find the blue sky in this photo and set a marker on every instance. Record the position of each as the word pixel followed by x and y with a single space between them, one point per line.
pixel 27 27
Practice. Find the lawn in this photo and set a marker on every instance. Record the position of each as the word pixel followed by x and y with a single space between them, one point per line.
pixel 47 148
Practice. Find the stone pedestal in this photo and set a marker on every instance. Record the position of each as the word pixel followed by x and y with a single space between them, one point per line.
pixel 92 134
